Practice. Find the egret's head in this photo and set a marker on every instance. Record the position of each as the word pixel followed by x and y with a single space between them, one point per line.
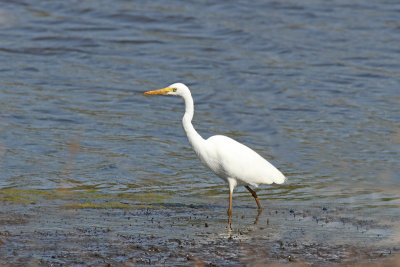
pixel 174 89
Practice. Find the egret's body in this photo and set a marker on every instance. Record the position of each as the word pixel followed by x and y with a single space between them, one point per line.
pixel 232 161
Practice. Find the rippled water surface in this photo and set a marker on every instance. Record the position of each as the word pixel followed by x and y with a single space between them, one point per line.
pixel 312 86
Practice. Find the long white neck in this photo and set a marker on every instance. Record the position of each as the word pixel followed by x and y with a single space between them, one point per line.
pixel 194 138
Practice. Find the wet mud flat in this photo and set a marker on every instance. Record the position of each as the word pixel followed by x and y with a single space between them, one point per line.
pixel 72 230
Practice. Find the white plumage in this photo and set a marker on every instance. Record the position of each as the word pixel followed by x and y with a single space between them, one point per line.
pixel 232 161
pixel 229 158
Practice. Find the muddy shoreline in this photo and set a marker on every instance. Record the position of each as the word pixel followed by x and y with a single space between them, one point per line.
pixel 50 231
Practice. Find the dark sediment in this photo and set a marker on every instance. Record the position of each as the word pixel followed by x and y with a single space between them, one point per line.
pixel 59 232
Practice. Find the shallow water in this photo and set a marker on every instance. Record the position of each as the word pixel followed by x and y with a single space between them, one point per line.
pixel 311 86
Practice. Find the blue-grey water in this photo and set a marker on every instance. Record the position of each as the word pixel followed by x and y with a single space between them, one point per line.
pixel 313 86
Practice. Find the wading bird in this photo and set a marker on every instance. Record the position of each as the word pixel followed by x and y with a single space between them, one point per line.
pixel 232 161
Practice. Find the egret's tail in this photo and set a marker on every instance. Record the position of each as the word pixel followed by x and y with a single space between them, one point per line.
pixel 280 179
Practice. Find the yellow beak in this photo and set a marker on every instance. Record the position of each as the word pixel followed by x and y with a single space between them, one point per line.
pixel 163 91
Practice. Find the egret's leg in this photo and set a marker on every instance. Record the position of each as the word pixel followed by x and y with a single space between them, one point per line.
pixel 255 196
pixel 230 204
pixel 232 183
pixel 230 208
pixel 257 217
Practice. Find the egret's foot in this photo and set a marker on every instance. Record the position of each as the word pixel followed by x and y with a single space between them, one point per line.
pixel 229 223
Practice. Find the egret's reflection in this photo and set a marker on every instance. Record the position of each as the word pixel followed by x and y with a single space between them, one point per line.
pixel 255 220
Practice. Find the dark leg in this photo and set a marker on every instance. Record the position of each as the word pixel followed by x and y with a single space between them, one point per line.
pixel 255 196
pixel 257 217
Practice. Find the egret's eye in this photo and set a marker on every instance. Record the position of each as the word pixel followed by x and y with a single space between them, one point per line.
pixel 174 89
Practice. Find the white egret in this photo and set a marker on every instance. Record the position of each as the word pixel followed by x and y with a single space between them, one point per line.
pixel 232 161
